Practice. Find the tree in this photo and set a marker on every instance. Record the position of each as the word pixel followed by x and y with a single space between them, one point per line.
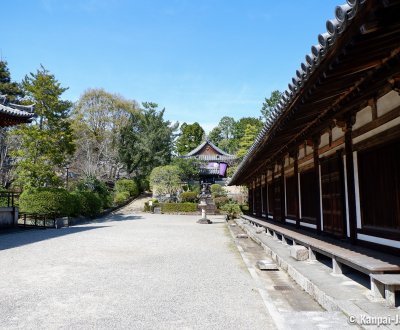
pixel 11 89
pixel 215 136
pixel 190 137
pixel 270 103
pixel 48 141
pixel 189 168
pixel 97 120
pixel 165 180
pixel 146 141
pixel 13 93
pixel 227 125
pixel 247 140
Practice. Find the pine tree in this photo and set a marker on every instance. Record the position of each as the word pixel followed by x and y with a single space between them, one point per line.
pixel 11 89
pixel 47 143
pixel 247 140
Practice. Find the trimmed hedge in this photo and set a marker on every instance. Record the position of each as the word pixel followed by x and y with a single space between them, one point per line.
pixel 49 201
pixel 217 190
pixel 189 196
pixel 121 197
pixel 231 209
pixel 90 203
pixel 125 185
pixel 178 207
pixel 220 201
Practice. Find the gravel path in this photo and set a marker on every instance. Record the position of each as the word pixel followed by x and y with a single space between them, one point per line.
pixel 138 271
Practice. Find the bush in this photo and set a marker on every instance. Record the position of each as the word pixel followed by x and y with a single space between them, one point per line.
pixel 49 201
pixel 244 207
pixel 220 201
pixel 189 196
pixel 92 184
pixel 144 185
pixel 121 197
pixel 150 208
pixel 125 185
pixel 178 207
pixel 217 190
pixel 91 203
pixel 231 209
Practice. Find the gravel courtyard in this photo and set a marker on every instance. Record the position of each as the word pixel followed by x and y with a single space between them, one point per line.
pixel 128 272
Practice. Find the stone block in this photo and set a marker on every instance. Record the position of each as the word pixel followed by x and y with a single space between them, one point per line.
pixel 260 230
pixel 299 252
pixel 242 236
pixel 267 265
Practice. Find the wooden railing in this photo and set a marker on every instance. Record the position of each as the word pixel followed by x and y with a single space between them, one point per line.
pixel 37 220
pixel 8 198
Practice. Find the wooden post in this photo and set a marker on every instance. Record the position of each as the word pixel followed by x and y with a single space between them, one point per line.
pixel 283 197
pixel 316 142
pixel 351 194
pixel 273 193
pixel 296 177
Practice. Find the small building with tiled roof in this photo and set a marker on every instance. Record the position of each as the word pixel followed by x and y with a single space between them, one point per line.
pixel 13 114
pixel 214 162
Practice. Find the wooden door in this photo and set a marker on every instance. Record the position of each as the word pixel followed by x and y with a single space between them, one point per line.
pixel 332 187
pixel 277 199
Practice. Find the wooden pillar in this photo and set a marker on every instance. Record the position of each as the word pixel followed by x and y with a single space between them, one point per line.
pixel 273 193
pixel 250 198
pixel 295 156
pixel 282 182
pixel 351 191
pixel 316 142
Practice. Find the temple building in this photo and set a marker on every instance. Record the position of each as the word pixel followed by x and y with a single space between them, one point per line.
pixel 328 158
pixel 13 114
pixel 214 162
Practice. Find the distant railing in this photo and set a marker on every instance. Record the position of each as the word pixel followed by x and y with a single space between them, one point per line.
pixel 8 198
pixel 37 220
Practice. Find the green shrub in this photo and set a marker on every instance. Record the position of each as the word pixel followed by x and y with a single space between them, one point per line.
pixel 189 196
pixel 217 190
pixel 91 203
pixel 231 209
pixel 125 185
pixel 121 197
pixel 144 185
pixel 48 201
pixel 178 207
pixel 244 207
pixel 94 185
pixel 148 208
pixel 220 201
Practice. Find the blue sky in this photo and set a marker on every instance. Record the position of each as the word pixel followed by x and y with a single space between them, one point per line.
pixel 200 59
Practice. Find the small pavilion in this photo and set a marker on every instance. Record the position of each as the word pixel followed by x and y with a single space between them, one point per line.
pixel 214 162
pixel 13 114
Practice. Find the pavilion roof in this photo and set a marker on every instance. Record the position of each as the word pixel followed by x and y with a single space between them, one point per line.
pixel 219 155
pixel 13 114
pixel 355 58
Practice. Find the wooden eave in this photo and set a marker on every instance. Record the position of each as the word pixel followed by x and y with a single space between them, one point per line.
pixel 360 66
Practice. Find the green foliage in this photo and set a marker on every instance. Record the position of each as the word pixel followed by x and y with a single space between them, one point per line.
pixel 178 207
pixel 91 203
pixel 49 201
pixel 231 209
pixel 125 185
pixel 247 140
pixel 165 180
pixel 270 103
pixel 220 201
pixel 146 141
pixel 231 170
pixel 215 136
pixel 121 197
pixel 189 196
pixel 94 185
pixel 244 207
pixel 11 89
pixel 217 190
pixel 190 137
pixel 189 168
pixel 144 184
pixel 47 142
pixel 150 208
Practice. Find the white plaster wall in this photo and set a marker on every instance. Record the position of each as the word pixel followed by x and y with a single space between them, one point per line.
pixel 324 140
pixel 363 117
pixel 388 102
pixel 337 133
pixel 301 153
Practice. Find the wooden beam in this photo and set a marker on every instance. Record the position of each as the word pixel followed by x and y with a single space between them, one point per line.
pixel 316 143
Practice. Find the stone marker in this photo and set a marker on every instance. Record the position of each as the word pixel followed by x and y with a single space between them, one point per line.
pixel 233 224
pixel 260 230
pixel 242 236
pixel 267 265
pixel 299 252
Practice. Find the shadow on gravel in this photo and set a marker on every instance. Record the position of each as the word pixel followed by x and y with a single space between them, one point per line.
pixel 28 236
pixel 119 217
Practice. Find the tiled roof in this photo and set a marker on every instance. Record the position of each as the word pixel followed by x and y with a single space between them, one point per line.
pixel 335 27
pixel 216 158
pixel 201 146
pixel 15 110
